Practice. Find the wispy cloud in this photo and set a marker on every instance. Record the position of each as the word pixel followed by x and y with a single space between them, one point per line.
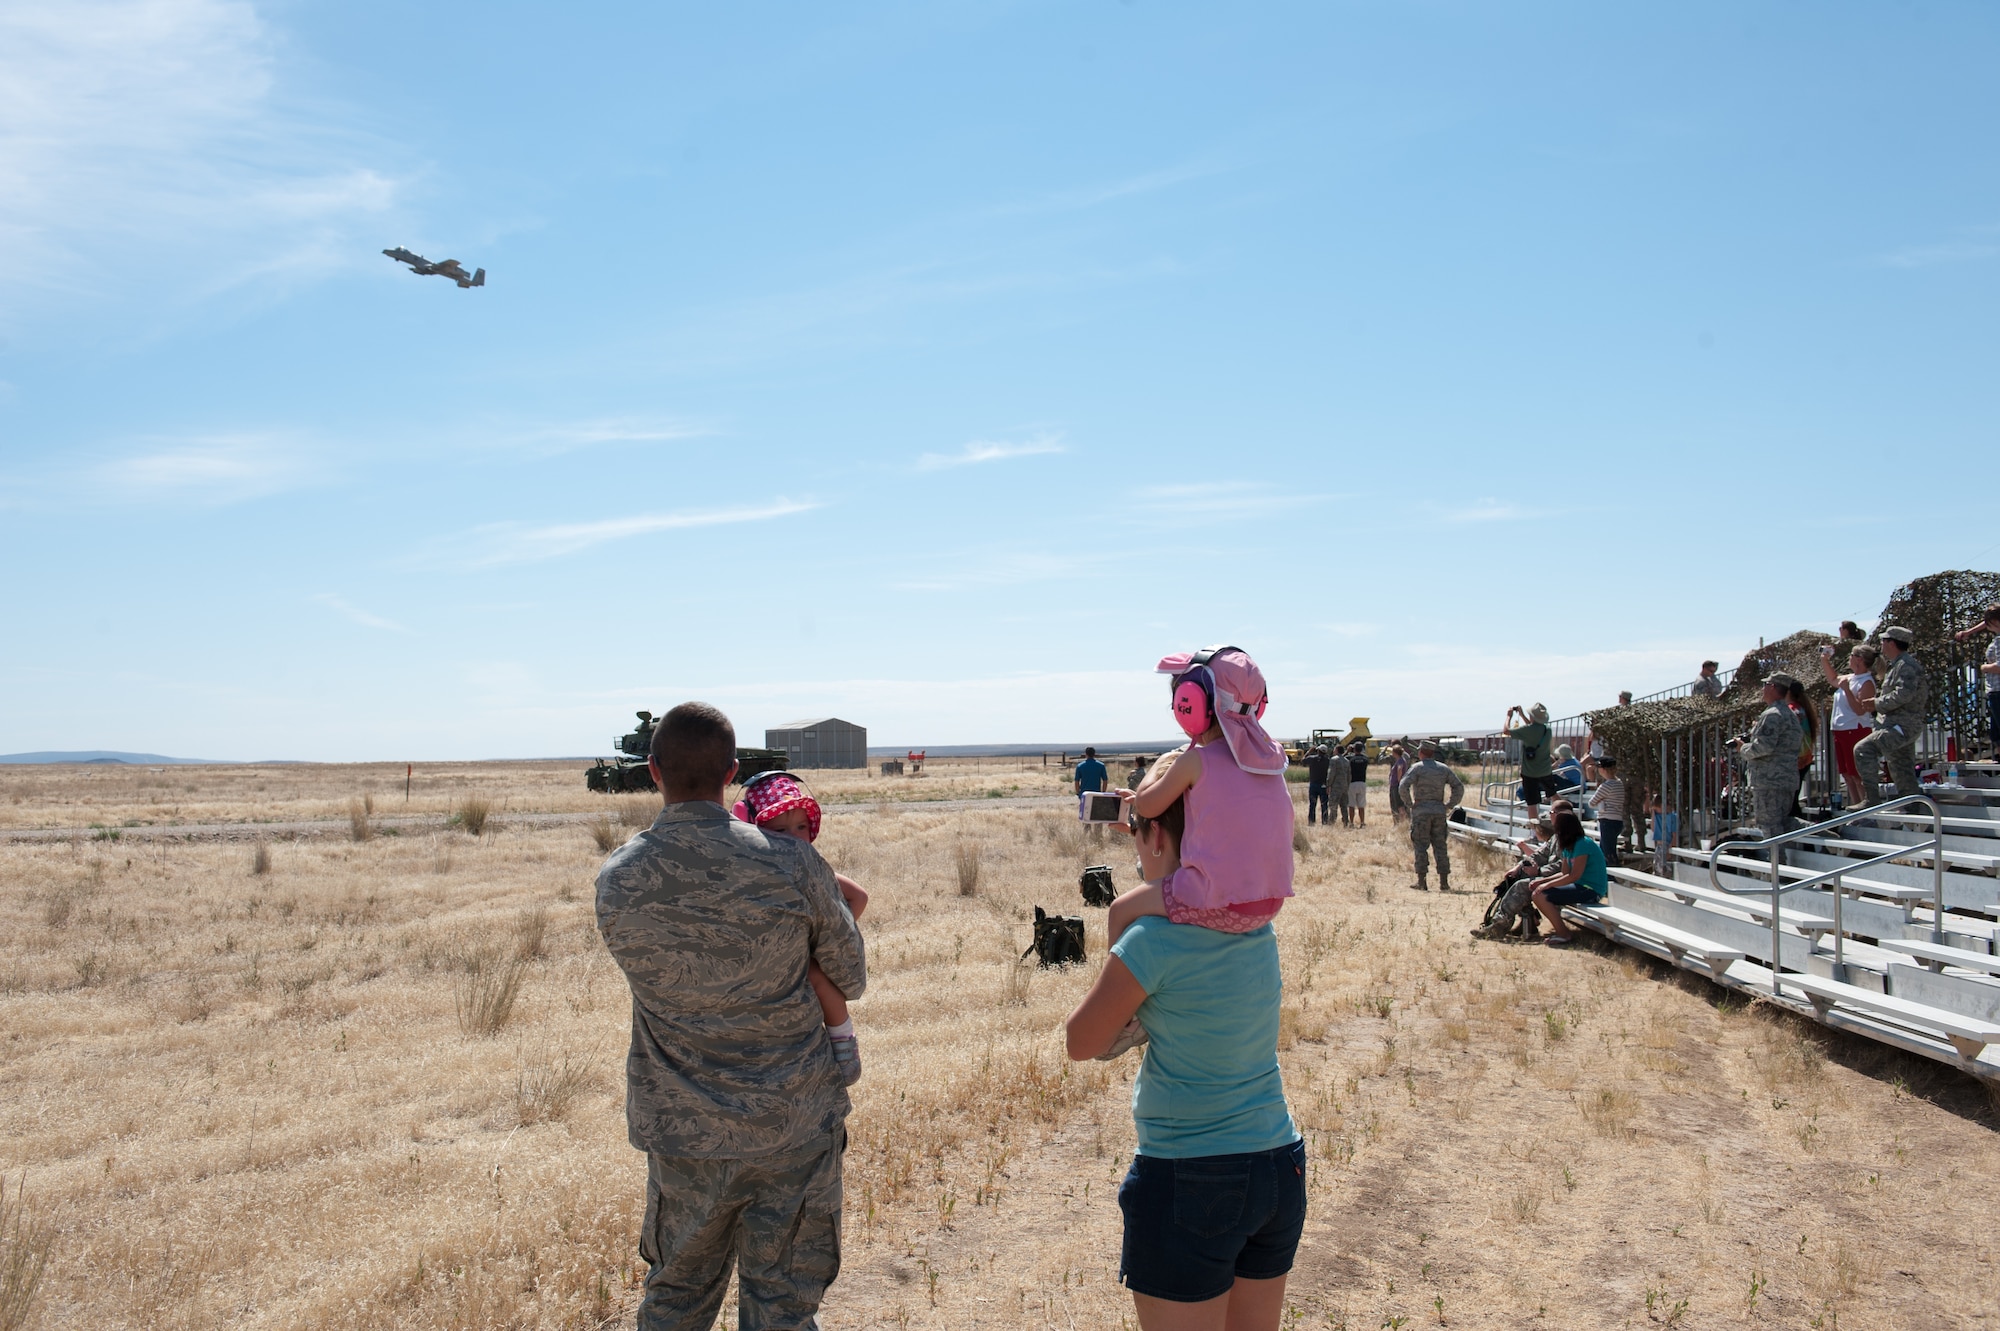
pixel 1928 256
pixel 518 543
pixel 570 435
pixel 1222 499
pixel 996 568
pixel 212 469
pixel 145 143
pixel 358 615
pixel 1483 510
pixel 983 450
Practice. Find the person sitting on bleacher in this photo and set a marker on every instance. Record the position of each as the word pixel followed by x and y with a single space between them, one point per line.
pixel 1582 882
pixel 1568 771
pixel 1538 861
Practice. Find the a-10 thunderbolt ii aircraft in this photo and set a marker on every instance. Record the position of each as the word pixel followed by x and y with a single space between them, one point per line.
pixel 450 268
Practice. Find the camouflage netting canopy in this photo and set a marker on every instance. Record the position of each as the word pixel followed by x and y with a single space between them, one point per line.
pixel 1633 734
pixel 1933 609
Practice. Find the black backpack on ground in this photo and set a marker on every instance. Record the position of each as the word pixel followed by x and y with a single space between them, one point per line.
pixel 1058 939
pixel 1097 886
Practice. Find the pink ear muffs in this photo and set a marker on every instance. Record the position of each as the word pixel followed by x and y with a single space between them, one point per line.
pixel 1193 711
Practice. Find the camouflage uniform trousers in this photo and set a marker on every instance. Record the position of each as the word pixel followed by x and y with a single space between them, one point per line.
pixel 1899 751
pixel 1427 833
pixel 776 1218
pixel 1772 787
pixel 1515 903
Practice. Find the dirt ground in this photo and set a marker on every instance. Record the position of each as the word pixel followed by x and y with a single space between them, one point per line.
pixel 376 1082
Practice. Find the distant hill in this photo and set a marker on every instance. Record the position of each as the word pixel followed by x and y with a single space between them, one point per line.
pixel 102 756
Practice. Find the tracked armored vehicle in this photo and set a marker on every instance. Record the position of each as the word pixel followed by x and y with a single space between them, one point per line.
pixel 628 771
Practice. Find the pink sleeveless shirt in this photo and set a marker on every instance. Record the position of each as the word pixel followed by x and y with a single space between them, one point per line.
pixel 1237 849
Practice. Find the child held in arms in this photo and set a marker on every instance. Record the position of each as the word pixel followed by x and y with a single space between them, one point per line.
pixel 1235 855
pixel 779 804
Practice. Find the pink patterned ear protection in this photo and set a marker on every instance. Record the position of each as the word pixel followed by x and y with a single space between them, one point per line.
pixel 1194 694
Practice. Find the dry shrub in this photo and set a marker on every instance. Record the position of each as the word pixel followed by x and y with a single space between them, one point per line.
pixel 61 902
pixel 967 856
pixel 484 990
pixel 260 860
pixel 357 821
pixel 1611 1111
pixel 531 929
pixel 473 813
pixel 637 811
pixel 606 834
pixel 25 1240
pixel 440 856
pixel 1300 846
pixel 546 1091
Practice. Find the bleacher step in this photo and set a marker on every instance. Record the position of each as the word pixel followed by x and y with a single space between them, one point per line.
pixel 1968 1035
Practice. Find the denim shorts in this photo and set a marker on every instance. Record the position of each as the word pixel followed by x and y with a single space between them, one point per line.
pixel 1576 894
pixel 1193 1226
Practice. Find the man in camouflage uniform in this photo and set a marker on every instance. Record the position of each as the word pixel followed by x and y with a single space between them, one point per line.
pixel 1899 719
pixel 730 1084
pixel 1770 756
pixel 1425 787
pixel 1338 774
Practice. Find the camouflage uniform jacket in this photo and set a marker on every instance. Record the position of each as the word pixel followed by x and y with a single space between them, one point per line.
pixel 1339 773
pixel 1425 786
pixel 1772 746
pixel 713 923
pixel 1901 699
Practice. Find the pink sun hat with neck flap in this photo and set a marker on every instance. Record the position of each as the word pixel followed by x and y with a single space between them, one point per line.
pixel 1239 696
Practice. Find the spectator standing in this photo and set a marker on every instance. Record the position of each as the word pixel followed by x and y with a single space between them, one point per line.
pixel 731 1086
pixel 1853 706
pixel 1899 719
pixel 1708 684
pixel 1851 637
pixel 1399 767
pixel 1770 755
pixel 1090 776
pixel 1609 801
pixel 1137 774
pixel 1533 737
pixel 1432 791
pixel 1338 777
pixel 1357 782
pixel 1316 765
pixel 1989 673
pixel 1802 708
pixel 1666 829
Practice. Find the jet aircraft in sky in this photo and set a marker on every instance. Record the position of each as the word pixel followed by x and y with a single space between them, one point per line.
pixel 450 268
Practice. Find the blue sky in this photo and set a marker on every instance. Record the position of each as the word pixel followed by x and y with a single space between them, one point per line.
pixel 942 366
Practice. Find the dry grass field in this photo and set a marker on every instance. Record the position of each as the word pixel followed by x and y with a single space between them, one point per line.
pixel 373 1080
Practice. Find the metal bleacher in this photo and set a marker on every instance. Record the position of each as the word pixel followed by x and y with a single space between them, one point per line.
pixel 1878 921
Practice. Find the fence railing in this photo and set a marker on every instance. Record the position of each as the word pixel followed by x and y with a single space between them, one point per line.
pixel 1776 844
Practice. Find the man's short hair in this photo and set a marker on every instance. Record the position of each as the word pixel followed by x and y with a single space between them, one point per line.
pixel 1089 752
pixel 693 746
pixel 1425 746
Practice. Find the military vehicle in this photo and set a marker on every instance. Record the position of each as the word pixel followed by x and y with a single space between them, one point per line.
pixel 628 771
pixel 450 268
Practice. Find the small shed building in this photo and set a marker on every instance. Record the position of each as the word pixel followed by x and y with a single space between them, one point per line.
pixel 826 741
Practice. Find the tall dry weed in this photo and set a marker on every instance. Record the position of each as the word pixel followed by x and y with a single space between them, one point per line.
pixel 967 857
pixel 440 856
pixel 260 860
pixel 484 990
pixel 531 929
pixel 605 834
pixel 473 813
pixel 546 1089
pixel 26 1239
pixel 638 811
pixel 358 825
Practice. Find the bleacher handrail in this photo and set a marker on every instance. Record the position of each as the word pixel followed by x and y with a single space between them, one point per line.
pixel 1776 845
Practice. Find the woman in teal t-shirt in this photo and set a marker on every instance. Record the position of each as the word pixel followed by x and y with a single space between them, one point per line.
pixel 1582 882
pixel 1215 1200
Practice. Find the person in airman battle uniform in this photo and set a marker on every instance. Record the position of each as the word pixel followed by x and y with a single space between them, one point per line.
pixel 1899 719
pixel 1770 756
pixel 1425 787
pixel 731 1086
